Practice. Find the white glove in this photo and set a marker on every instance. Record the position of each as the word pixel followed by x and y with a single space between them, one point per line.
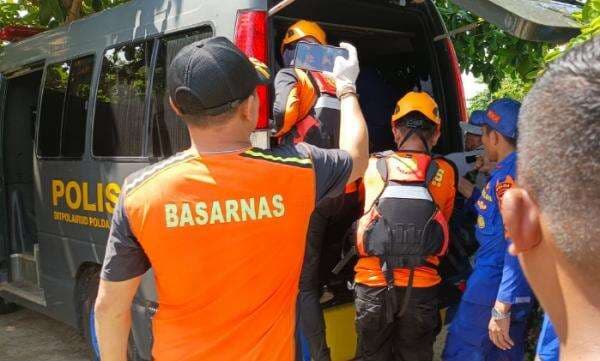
pixel 345 71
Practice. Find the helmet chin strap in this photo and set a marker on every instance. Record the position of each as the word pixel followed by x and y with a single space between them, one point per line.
pixel 415 130
pixel 288 55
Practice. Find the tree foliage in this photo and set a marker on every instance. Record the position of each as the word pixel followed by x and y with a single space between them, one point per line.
pixel 488 52
pixel 19 13
pixel 509 66
pixel 49 13
pixel 514 88
pixel 589 18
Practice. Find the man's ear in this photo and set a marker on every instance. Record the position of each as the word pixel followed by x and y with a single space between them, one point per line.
pixel 174 107
pixel 396 133
pixel 494 137
pixel 521 218
pixel 245 107
pixel 436 137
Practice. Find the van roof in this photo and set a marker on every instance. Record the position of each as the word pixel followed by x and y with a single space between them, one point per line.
pixel 137 19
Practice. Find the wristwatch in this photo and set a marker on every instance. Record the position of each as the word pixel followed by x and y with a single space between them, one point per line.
pixel 497 315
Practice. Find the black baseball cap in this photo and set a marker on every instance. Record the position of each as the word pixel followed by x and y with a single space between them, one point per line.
pixel 212 76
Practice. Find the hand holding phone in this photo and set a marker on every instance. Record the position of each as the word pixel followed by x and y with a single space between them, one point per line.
pixel 317 57
pixel 345 71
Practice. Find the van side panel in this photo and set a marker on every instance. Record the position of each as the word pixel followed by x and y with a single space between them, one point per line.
pixel 3 218
pixel 72 230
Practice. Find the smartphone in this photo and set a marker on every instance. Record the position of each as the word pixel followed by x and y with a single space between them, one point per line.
pixel 317 57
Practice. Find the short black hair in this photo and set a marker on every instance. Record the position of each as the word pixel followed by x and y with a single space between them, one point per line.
pixel 206 121
pixel 559 146
pixel 427 130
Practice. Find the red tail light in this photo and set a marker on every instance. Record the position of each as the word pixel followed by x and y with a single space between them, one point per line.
pixel 251 36
pixel 460 91
pixel 16 33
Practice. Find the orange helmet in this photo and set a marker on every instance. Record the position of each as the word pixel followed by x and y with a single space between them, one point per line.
pixel 417 102
pixel 301 30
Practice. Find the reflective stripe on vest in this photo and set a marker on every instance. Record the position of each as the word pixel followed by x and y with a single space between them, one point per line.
pixel 406 192
pixel 328 102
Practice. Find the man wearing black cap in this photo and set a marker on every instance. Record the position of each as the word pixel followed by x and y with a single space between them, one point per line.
pixel 223 225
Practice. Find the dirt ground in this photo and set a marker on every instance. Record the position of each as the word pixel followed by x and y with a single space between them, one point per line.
pixel 29 336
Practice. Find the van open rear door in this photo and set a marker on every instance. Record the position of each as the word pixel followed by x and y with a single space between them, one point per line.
pixel 3 217
pixel 535 20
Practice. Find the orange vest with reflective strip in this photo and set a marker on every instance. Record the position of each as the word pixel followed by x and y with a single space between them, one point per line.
pixel 443 190
pixel 315 118
pixel 225 235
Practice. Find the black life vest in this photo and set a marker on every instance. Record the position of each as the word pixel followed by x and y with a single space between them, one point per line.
pixel 404 226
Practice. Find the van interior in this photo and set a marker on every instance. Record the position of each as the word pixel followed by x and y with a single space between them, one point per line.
pixel 18 256
pixel 397 54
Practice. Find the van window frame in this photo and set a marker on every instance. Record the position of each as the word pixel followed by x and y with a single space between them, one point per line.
pixel 25 69
pixel 41 100
pixel 210 31
pixel 125 159
pixel 155 39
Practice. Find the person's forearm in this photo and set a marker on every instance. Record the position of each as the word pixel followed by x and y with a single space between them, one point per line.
pixel 354 137
pixel 502 307
pixel 112 330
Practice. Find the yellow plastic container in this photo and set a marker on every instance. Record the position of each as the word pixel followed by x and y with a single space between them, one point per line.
pixel 341 332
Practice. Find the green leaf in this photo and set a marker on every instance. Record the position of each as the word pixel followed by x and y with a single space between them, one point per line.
pixel 97 5
pixel 45 12
pixel 490 53
pixel 591 10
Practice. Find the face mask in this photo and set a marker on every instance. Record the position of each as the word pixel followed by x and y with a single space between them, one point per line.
pixel 288 56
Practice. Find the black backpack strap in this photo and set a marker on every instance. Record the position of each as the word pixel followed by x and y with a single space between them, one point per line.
pixel 349 236
pixel 409 287
pixel 344 261
pixel 382 168
pixel 432 170
pixel 391 302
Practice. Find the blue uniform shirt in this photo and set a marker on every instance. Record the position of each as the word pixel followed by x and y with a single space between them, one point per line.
pixel 548 344
pixel 497 275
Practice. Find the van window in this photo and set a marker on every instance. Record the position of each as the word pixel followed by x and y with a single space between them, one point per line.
pixel 55 88
pixel 119 117
pixel 75 109
pixel 169 133
pixel 64 108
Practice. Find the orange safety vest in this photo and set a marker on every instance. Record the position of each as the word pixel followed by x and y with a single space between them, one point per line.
pixel 319 114
pixel 318 118
pixel 411 167
pixel 204 223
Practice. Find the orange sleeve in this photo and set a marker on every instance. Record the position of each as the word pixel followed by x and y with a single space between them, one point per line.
pixel 286 104
pixel 294 98
pixel 443 187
